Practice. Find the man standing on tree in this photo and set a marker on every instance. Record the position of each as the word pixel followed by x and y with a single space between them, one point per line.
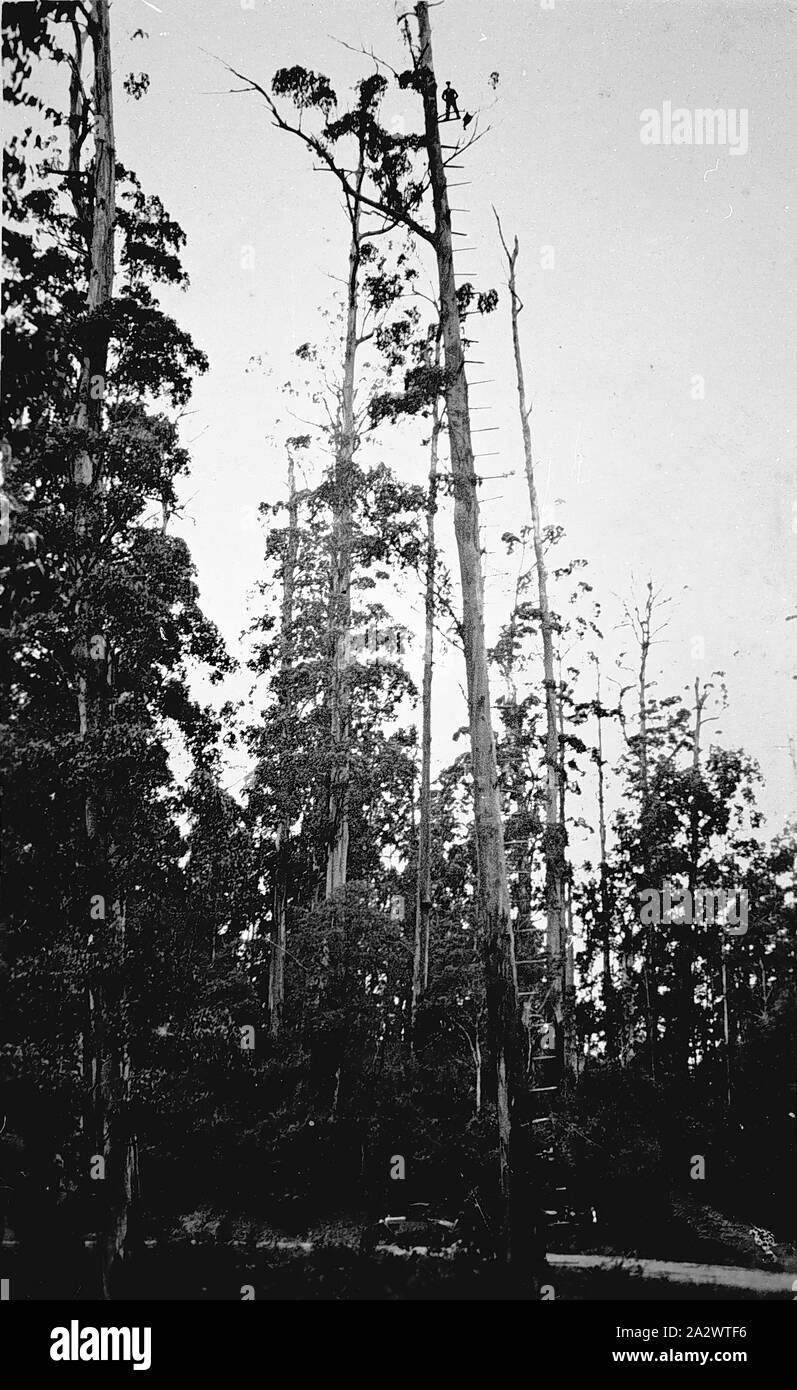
pixel 450 97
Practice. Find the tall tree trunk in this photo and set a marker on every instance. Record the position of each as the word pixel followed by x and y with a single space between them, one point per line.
pixel 559 949
pixel 609 1016
pixel 106 1058
pixel 76 115
pixel 423 896
pixel 643 631
pixel 340 597
pixel 497 932
pixel 726 1029
pixel 279 936
pixel 684 1012
pixel 570 1035
pixel 519 863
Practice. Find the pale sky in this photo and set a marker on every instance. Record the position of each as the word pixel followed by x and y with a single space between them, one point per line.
pixel 670 263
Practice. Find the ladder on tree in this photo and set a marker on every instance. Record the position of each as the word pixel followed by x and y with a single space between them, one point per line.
pixel 543 1059
pixel 544 1067
pixel 543 1077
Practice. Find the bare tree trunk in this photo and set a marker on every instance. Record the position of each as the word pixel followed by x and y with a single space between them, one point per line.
pixel 340 598
pixel 279 936
pixel 498 937
pixel 555 829
pixel 423 897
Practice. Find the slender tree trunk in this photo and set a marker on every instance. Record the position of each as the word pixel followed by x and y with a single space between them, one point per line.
pixel 684 1016
pixel 605 912
pixel 651 955
pixel 559 950
pixel 279 937
pixel 340 599
pixel 726 1030
pixel 76 114
pixel 498 938
pixel 107 1068
pixel 570 1036
pixel 423 897
pixel 520 860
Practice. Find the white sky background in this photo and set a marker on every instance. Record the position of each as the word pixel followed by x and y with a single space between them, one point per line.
pixel 663 271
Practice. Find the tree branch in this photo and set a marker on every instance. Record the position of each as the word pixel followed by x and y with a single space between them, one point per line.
pixel 318 148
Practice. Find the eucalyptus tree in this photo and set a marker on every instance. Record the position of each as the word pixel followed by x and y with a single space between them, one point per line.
pixel 390 185
pixel 96 374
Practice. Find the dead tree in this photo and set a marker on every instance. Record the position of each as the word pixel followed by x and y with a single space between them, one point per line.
pixel 559 948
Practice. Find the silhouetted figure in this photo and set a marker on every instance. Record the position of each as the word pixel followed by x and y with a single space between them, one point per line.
pixel 450 97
